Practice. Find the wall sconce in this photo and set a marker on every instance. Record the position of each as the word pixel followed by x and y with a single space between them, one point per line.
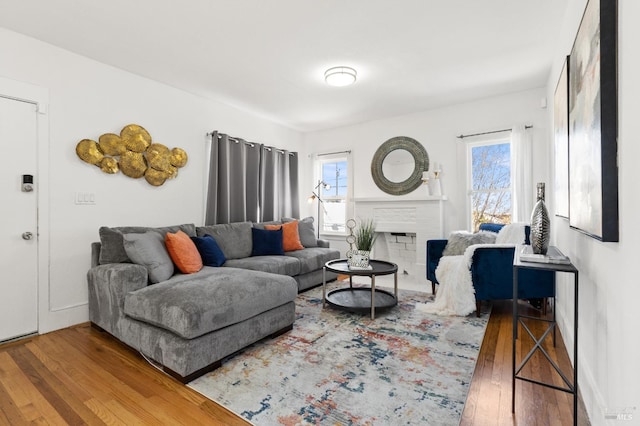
pixel 437 170
pixel 437 187
pixel 425 177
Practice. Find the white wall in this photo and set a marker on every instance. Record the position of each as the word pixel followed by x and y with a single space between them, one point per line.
pixel 86 99
pixel 436 130
pixel 609 372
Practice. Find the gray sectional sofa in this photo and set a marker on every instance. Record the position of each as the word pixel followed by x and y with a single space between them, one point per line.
pixel 189 322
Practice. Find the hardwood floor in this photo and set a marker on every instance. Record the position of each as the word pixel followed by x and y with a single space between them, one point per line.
pixel 489 399
pixel 81 376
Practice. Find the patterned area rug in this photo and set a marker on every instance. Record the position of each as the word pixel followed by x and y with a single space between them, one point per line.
pixel 339 368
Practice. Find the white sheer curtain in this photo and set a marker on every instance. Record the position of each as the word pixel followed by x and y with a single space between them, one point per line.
pixel 521 173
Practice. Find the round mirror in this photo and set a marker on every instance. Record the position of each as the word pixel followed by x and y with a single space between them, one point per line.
pixel 398 164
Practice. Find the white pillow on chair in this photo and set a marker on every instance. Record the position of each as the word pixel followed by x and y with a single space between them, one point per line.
pixel 513 233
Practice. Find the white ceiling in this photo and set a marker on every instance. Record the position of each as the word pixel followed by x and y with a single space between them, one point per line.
pixel 268 57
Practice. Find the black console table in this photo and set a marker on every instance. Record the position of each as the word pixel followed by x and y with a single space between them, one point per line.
pixel 570 387
pixel 360 299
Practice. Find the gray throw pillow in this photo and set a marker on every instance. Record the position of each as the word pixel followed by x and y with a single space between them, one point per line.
pixel 306 231
pixel 460 240
pixel 112 246
pixel 234 239
pixel 149 250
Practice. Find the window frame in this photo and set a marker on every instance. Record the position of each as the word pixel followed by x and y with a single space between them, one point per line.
pixel 469 170
pixel 322 159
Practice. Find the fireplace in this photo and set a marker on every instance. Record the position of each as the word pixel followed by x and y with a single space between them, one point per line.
pixel 401 250
pixel 404 225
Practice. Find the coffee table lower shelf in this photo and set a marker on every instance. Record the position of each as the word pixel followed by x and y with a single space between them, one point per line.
pixel 359 299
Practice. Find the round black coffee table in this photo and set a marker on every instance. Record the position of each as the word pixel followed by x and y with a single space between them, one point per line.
pixel 360 299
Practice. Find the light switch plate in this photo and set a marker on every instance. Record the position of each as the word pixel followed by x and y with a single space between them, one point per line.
pixel 85 198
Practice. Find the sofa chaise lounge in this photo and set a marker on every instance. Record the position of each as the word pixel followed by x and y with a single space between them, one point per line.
pixel 189 323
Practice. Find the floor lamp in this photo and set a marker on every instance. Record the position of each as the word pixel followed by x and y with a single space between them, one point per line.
pixel 314 196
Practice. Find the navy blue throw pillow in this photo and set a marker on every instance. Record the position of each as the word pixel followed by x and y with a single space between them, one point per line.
pixel 209 250
pixel 266 243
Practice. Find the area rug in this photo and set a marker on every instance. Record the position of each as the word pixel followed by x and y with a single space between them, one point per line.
pixel 340 368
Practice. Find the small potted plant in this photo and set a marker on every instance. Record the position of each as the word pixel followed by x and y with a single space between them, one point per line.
pixel 364 238
pixel 366 235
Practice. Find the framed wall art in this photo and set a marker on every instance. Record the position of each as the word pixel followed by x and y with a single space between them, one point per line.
pixel 593 169
pixel 561 142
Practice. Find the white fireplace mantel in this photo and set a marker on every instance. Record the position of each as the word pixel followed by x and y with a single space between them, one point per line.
pixel 406 198
pixel 404 214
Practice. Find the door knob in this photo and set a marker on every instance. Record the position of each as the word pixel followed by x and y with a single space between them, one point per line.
pixel 27 235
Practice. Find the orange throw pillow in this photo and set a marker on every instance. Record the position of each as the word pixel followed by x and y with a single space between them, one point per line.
pixel 183 252
pixel 290 236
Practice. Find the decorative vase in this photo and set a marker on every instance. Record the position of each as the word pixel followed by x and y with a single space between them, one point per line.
pixel 540 224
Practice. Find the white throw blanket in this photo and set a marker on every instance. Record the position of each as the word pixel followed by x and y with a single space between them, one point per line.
pixel 456 295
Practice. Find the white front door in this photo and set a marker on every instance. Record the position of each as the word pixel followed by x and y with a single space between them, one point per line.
pixel 19 229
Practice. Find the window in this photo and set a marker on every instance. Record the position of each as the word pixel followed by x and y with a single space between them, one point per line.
pixel 333 209
pixel 490 182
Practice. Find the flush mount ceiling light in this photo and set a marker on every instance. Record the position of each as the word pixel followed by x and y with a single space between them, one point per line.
pixel 340 76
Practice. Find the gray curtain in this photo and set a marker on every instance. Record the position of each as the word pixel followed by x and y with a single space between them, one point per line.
pixel 234 180
pixel 278 184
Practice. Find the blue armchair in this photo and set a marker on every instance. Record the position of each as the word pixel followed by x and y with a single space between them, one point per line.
pixel 492 272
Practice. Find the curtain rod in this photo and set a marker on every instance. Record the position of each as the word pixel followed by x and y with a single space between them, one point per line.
pixel 488 133
pixel 210 134
pixel 332 153
pixel 281 151
pixel 232 139
pixel 251 144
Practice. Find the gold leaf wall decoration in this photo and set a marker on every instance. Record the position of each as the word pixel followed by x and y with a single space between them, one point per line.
pixel 109 165
pixel 89 151
pixel 112 144
pixel 134 153
pixel 133 164
pixel 159 156
pixel 178 157
pixel 135 137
